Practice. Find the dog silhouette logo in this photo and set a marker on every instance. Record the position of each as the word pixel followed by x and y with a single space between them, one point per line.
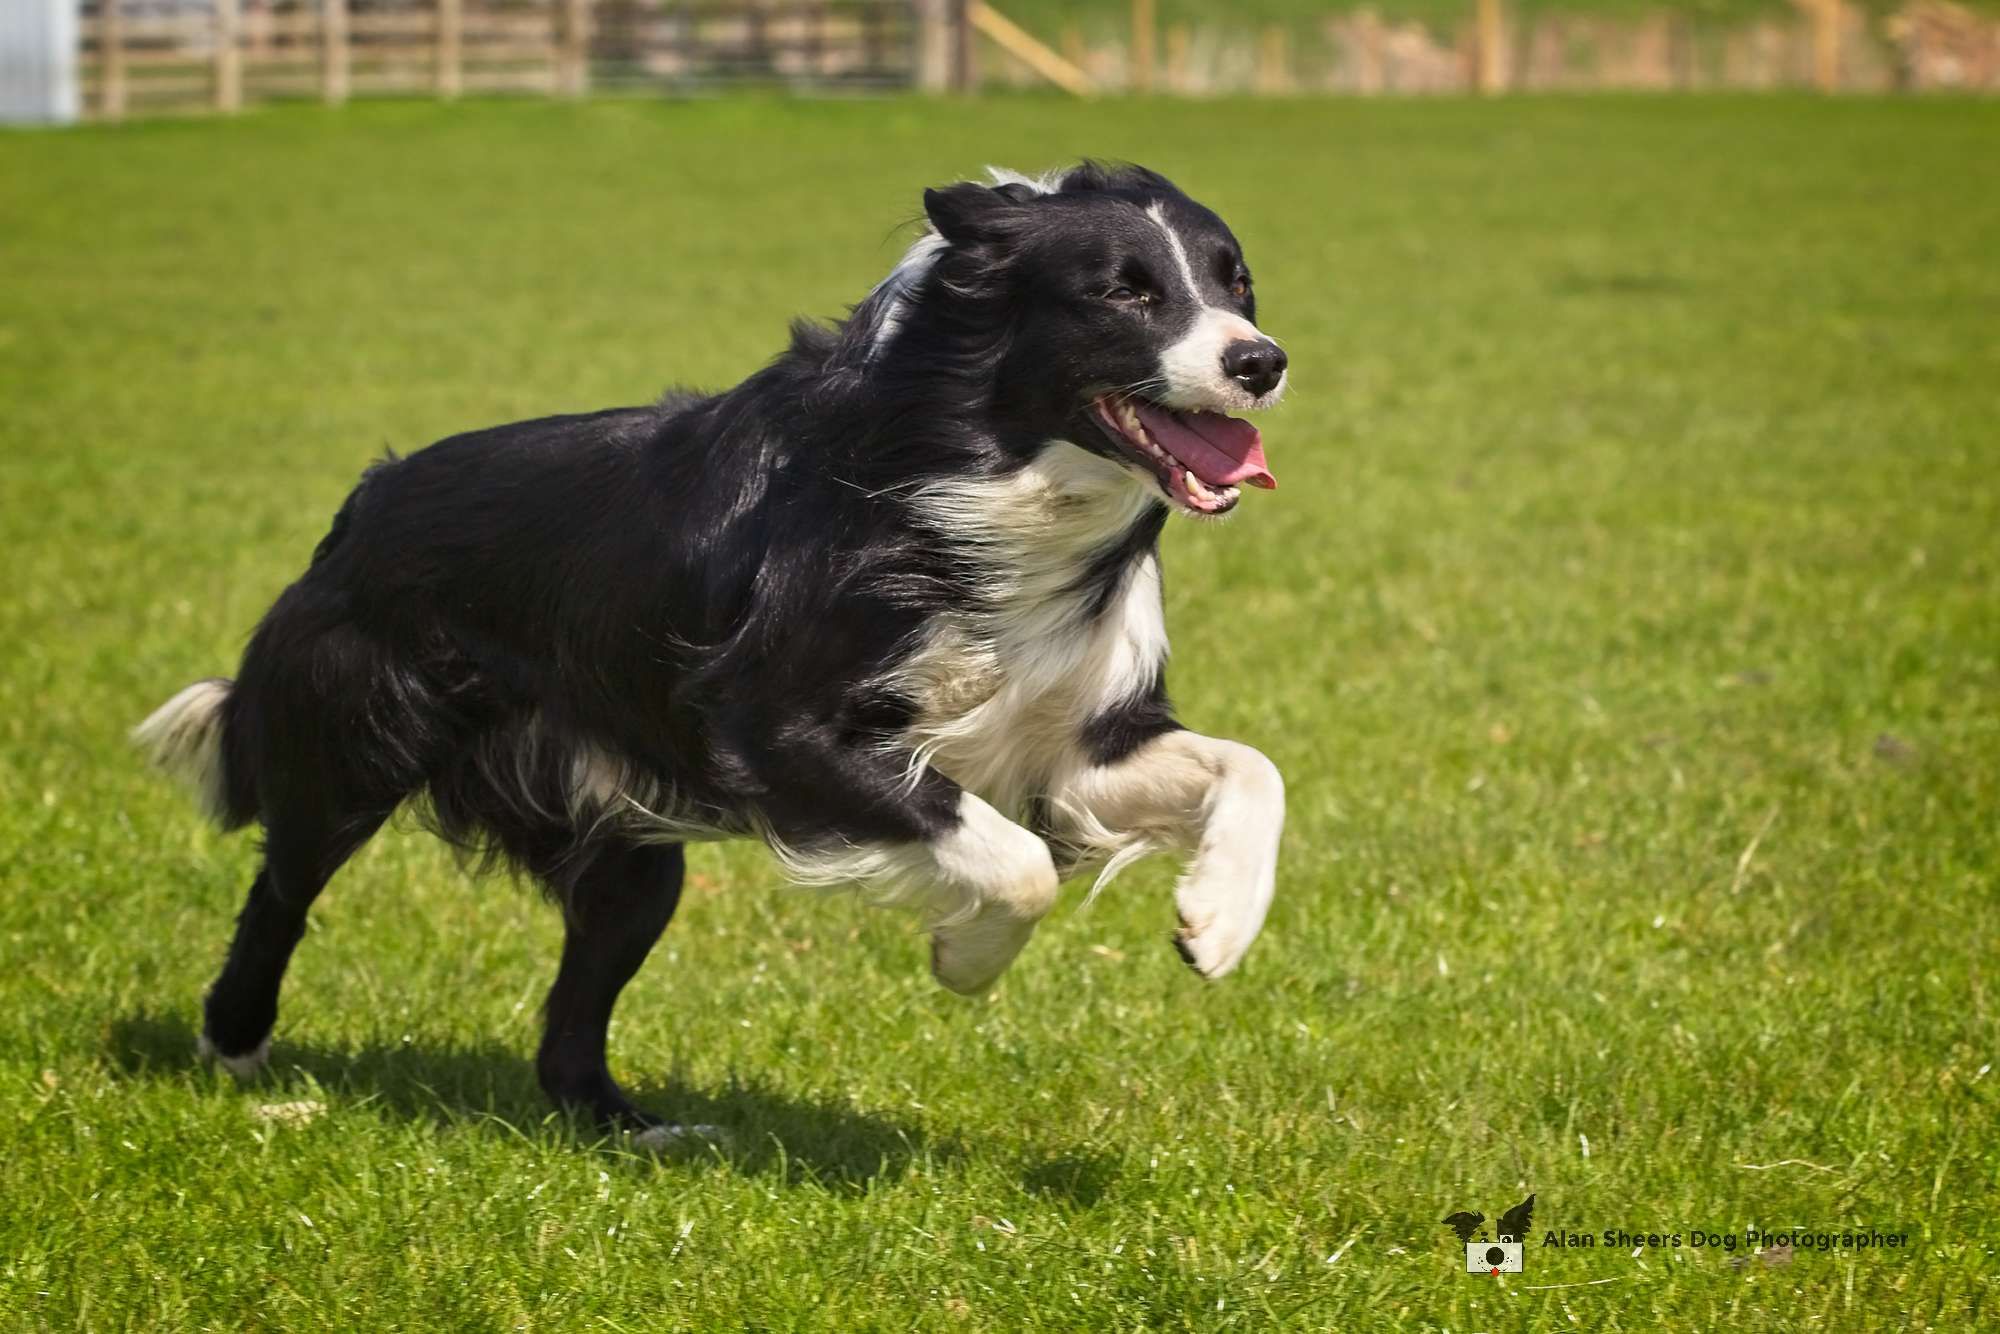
pixel 1498 1255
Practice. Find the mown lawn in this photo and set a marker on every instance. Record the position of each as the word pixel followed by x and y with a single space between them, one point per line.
pixel 1626 626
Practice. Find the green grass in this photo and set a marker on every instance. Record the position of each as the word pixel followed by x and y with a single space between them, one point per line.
pixel 1625 625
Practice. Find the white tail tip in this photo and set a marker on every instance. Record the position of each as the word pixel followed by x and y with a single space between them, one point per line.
pixel 183 738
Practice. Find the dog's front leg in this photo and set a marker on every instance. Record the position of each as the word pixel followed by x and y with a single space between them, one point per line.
pixel 983 881
pixel 1004 882
pixel 1219 800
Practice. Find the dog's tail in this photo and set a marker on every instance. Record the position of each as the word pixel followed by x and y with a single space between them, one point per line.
pixel 184 738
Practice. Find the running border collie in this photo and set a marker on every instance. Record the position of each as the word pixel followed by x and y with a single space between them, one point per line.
pixel 892 605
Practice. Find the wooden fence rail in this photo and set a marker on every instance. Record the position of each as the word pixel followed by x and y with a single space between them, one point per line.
pixel 140 56
pixel 146 55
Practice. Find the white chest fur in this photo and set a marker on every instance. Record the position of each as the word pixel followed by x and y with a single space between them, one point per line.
pixel 1002 694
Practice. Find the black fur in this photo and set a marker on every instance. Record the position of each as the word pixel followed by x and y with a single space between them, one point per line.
pixel 709 593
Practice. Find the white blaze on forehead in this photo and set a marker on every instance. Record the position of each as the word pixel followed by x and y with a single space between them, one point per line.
pixel 1158 213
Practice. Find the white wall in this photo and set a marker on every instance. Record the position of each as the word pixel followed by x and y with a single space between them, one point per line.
pixel 38 59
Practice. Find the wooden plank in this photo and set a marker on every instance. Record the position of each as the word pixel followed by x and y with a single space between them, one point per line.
pixel 1017 42
pixel 1273 60
pixel 138 27
pixel 510 81
pixel 303 81
pixel 1487 72
pixel 540 53
pixel 196 85
pixel 111 45
pixel 1179 42
pixel 573 62
pixel 514 25
pixel 1826 45
pixel 964 51
pixel 228 57
pixel 152 57
pixel 335 53
pixel 450 48
pixel 934 46
pixel 1369 62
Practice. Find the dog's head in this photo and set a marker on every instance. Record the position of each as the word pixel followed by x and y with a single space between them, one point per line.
pixel 1121 316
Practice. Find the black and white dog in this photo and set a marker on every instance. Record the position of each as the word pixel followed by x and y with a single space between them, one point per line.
pixel 891 605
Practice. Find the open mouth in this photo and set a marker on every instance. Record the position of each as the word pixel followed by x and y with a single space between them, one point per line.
pixel 1199 458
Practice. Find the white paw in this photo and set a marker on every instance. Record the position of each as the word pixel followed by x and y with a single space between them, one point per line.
pixel 1008 877
pixel 656 1139
pixel 1226 894
pixel 1222 905
pixel 969 957
pixel 1210 950
pixel 246 1066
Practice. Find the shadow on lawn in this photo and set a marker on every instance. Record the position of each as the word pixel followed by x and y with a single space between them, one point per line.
pixel 492 1088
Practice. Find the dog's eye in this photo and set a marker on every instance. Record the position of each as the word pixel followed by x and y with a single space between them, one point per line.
pixel 1239 286
pixel 1124 296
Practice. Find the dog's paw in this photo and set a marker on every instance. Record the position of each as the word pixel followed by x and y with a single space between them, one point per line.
pixel 664 1138
pixel 968 958
pixel 1208 950
pixel 245 1067
pixel 1220 918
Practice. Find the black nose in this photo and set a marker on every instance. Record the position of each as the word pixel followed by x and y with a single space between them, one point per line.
pixel 1255 363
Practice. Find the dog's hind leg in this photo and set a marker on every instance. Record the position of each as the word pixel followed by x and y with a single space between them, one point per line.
pixel 614 908
pixel 327 765
pixel 305 842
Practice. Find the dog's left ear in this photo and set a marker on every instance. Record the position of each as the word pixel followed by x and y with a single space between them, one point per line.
pixel 968 214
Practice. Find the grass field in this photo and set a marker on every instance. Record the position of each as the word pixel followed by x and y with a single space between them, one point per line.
pixel 1625 625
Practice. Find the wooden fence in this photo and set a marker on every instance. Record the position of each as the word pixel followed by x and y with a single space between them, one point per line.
pixel 148 55
pixel 1833 46
pixel 158 55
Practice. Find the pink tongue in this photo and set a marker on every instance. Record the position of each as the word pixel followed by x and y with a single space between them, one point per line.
pixel 1220 450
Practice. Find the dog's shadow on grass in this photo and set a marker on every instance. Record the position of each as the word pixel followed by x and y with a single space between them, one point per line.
pixel 488 1088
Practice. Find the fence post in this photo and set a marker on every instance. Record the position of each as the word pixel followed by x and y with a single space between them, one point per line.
pixel 934 46
pixel 111 60
pixel 1142 46
pixel 1826 45
pixel 964 52
pixel 1488 77
pixel 450 60
pixel 333 51
pixel 1178 42
pixel 228 57
pixel 1273 60
pixel 573 71
pixel 1368 67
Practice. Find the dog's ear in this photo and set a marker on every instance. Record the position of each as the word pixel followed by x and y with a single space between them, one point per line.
pixel 966 214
